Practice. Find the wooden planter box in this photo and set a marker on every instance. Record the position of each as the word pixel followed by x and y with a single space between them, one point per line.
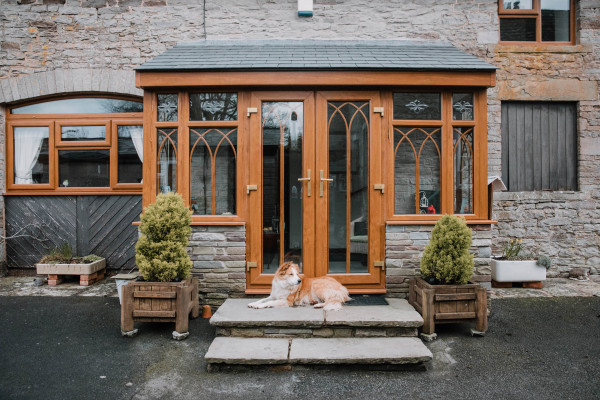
pixel 443 304
pixel 88 273
pixel 159 302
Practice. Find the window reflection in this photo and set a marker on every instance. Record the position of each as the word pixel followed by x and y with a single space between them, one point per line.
pixel 213 106
pixel 80 106
pixel 84 168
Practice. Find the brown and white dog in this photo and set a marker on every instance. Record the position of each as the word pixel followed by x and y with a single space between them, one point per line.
pixel 288 289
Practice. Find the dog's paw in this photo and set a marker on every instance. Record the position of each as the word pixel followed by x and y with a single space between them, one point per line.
pixel 252 305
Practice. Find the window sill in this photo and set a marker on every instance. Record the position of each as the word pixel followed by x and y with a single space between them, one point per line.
pixel 70 192
pixel 537 47
pixel 430 222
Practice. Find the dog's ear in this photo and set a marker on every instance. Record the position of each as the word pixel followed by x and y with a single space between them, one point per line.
pixel 285 266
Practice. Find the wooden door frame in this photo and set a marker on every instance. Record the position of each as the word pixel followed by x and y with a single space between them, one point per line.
pixel 256 281
pixel 315 120
pixel 374 280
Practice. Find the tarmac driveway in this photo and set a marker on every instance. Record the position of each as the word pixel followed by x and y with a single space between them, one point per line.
pixel 71 348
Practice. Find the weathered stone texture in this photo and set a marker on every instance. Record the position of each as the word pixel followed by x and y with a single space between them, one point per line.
pixel 59 46
pixel 219 257
pixel 403 260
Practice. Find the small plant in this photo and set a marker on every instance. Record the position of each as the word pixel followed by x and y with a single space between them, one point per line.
pixel 161 249
pixel 446 259
pixel 514 250
pixel 544 261
pixel 64 255
pixel 511 250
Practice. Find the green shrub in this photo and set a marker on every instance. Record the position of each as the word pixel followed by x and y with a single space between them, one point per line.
pixel 161 249
pixel 544 261
pixel 446 258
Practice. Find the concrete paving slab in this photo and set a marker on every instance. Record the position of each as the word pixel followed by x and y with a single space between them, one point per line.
pixel 236 313
pixel 396 350
pixel 397 314
pixel 235 350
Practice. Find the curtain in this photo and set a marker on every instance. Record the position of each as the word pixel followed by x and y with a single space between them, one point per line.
pixel 137 137
pixel 27 144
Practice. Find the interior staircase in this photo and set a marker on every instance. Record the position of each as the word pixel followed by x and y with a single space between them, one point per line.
pixel 365 335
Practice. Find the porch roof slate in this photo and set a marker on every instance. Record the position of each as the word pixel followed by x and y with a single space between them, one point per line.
pixel 290 55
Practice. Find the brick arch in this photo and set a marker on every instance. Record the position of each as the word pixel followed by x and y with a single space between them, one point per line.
pixel 63 81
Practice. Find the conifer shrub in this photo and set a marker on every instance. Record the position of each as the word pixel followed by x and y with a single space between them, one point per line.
pixel 446 259
pixel 161 249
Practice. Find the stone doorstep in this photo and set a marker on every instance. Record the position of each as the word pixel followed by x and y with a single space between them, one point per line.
pixel 321 332
pixel 397 350
pixel 234 313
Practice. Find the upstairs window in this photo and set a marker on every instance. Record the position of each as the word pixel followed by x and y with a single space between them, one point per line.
pixel 536 21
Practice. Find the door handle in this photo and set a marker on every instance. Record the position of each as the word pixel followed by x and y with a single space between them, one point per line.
pixel 328 180
pixel 307 179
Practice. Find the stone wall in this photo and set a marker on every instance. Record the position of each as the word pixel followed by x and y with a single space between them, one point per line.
pixel 219 257
pixel 404 245
pixel 50 47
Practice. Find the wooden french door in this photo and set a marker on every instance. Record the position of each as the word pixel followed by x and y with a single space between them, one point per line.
pixel 315 196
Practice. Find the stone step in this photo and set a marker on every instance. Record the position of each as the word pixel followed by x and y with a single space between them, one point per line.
pixel 298 351
pixel 399 318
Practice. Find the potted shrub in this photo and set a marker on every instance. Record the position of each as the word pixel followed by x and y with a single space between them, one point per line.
pixel 164 292
pixel 60 262
pixel 516 266
pixel 443 293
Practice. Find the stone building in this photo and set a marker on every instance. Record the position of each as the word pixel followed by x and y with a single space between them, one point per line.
pixel 520 77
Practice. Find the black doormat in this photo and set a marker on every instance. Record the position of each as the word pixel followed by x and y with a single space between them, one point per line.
pixel 367 300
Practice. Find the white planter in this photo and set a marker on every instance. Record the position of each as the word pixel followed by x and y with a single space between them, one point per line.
pixel 517 271
pixel 122 280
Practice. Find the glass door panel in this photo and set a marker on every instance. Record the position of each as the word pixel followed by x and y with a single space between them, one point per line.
pixel 348 154
pixel 282 128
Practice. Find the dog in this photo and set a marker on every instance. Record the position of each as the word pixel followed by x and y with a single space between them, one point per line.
pixel 288 290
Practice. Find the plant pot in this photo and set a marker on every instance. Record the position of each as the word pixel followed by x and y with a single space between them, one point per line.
pixel 443 304
pixel 122 280
pixel 517 271
pixel 159 302
pixel 88 273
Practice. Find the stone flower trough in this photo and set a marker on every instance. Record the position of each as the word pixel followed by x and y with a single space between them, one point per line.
pixel 88 273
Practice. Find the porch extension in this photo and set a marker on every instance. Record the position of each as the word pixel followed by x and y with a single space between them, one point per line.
pixel 383 334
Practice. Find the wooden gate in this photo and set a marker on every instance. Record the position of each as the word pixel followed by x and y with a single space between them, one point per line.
pixel 100 225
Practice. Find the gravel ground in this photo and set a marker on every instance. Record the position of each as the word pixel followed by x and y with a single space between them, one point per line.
pixel 70 347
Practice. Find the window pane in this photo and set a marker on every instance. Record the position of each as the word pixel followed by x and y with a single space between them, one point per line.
pixel 556 22
pixel 417 106
pixel 213 151
pixel 81 106
pixel 167 107
pixel 282 142
pixel 518 4
pixel 166 168
pixel 131 153
pixel 462 106
pixel 463 147
pixel 213 106
pixel 84 168
pixel 83 133
pixel 517 29
pixel 31 163
pixel 417 170
pixel 348 126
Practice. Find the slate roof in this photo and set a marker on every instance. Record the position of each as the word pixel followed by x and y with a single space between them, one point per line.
pixel 294 55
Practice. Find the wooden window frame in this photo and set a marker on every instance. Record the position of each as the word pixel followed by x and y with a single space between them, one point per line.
pixel 535 13
pixel 183 126
pixel 54 122
pixel 447 124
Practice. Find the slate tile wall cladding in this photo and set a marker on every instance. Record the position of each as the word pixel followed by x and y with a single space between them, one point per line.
pixel 404 245
pixel 219 257
pixel 61 46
